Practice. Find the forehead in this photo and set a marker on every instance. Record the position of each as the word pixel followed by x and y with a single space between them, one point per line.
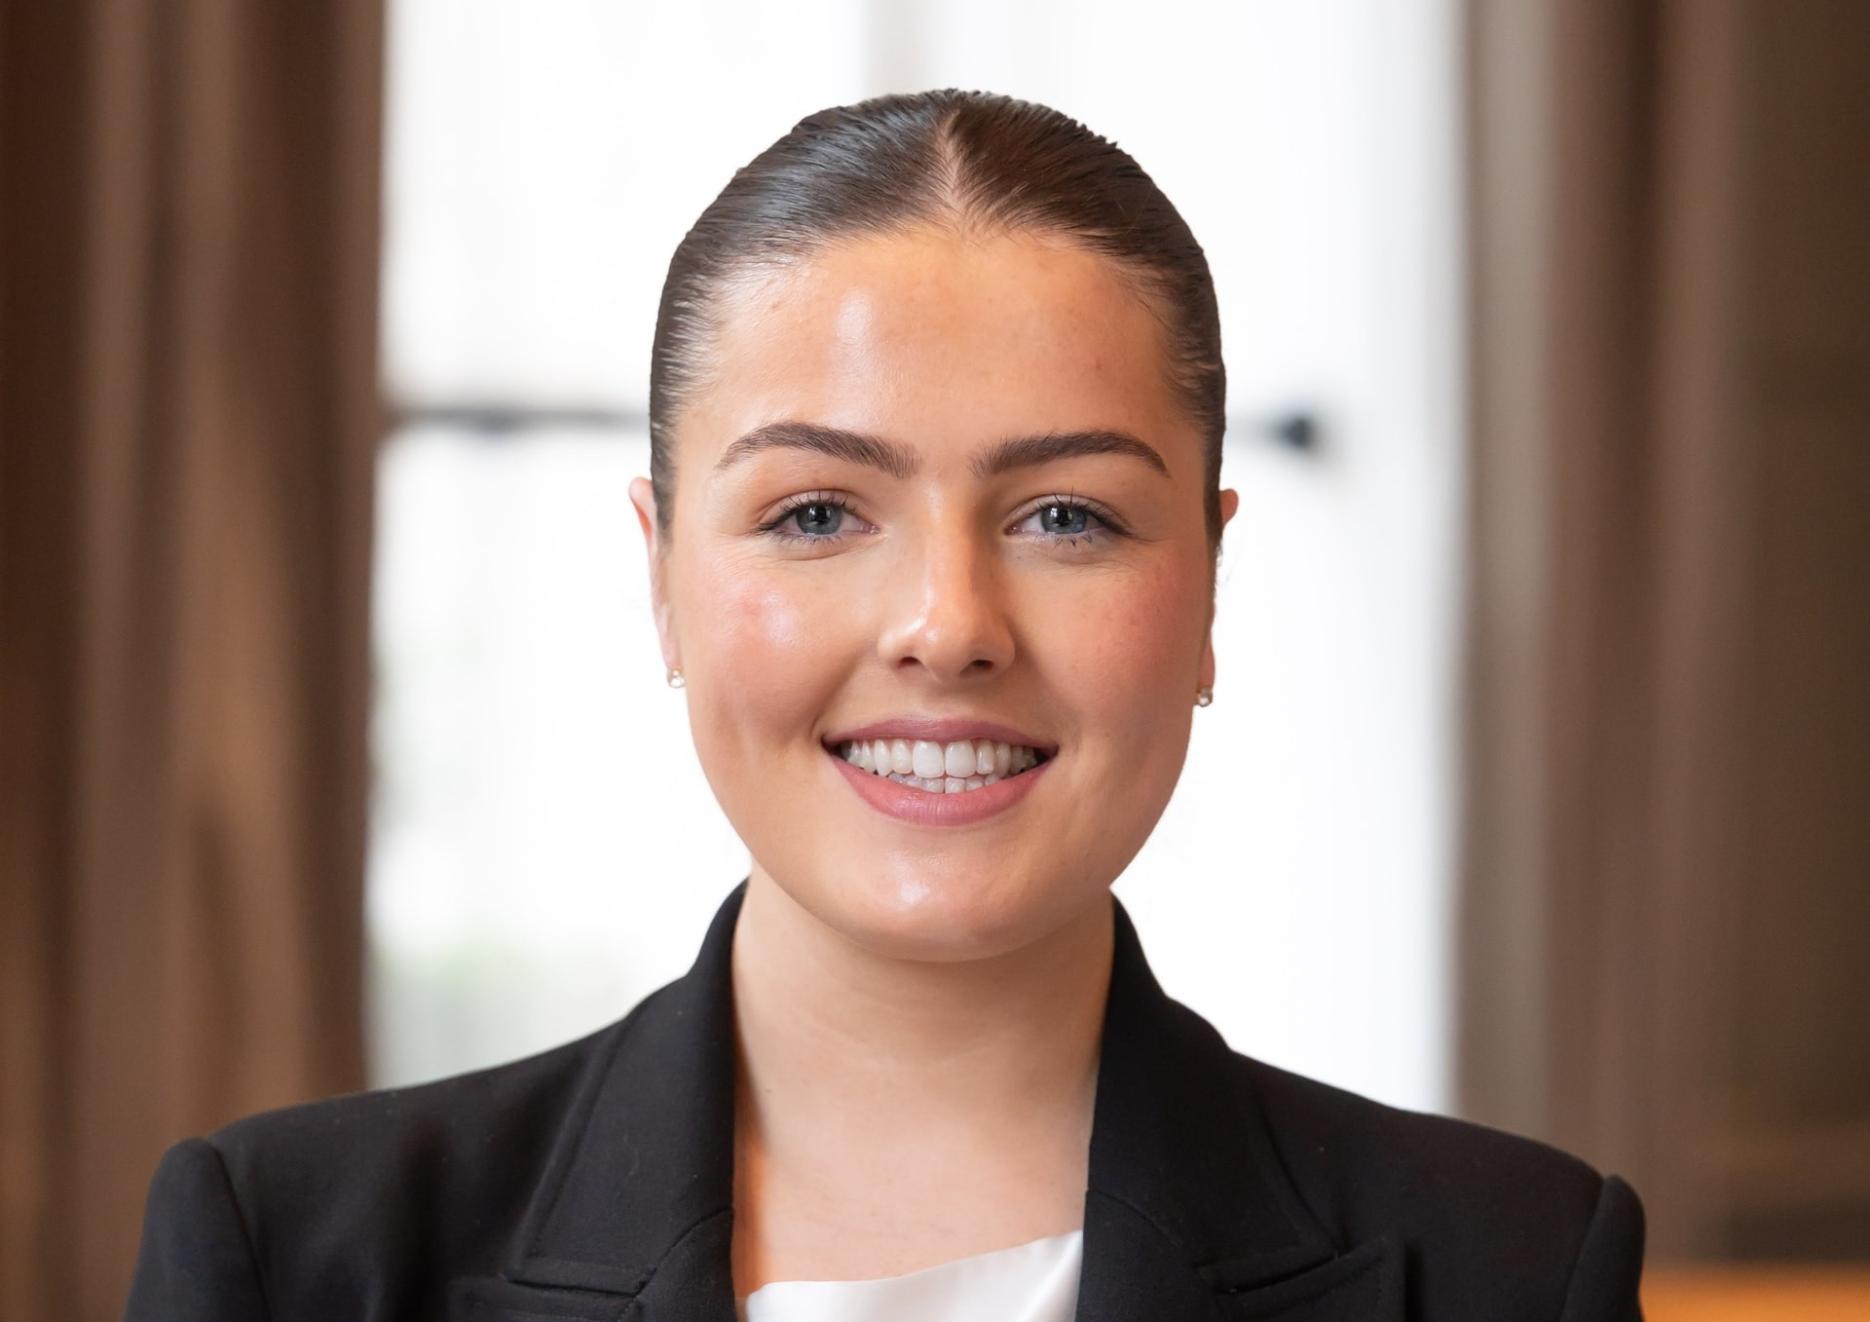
pixel 941 340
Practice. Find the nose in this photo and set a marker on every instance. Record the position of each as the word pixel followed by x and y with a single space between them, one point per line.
pixel 952 619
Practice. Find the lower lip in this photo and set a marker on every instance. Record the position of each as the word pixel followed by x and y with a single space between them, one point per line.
pixel 925 808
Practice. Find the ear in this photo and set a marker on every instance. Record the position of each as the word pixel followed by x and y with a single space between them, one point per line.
pixel 1230 505
pixel 643 497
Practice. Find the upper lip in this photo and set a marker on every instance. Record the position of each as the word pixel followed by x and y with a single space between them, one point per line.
pixel 941 730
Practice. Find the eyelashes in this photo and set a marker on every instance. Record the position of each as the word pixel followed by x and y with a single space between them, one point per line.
pixel 783 527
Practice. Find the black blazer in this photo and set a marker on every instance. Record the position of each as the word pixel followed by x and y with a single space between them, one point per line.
pixel 596 1181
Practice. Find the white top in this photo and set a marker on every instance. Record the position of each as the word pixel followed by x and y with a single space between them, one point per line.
pixel 1031 1282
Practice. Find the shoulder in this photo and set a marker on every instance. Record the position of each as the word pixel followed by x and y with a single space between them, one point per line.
pixel 448 1130
pixel 1352 1155
pixel 1539 1222
pixel 333 1202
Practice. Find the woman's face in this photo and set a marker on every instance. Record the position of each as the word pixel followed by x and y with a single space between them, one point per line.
pixel 856 544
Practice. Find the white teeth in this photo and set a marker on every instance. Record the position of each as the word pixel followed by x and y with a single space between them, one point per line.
pixel 937 784
pixel 952 768
pixel 929 762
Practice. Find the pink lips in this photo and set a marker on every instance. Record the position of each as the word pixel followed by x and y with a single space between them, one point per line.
pixel 925 808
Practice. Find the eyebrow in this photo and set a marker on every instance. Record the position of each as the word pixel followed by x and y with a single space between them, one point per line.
pixel 899 461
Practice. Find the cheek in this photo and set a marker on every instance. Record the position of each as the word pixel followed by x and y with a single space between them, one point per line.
pixel 1130 648
pixel 770 652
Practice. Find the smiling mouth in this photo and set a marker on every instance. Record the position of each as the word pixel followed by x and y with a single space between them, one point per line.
pixel 937 768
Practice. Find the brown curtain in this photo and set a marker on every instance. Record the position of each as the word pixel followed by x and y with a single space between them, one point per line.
pixel 188 420
pixel 1667 856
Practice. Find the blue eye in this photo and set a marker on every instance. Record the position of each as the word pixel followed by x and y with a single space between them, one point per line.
pixel 816 516
pixel 821 516
pixel 1070 521
pixel 1074 520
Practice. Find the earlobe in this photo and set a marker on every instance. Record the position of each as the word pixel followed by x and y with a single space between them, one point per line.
pixel 1230 505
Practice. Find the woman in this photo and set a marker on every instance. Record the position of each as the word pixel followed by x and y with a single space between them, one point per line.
pixel 936 409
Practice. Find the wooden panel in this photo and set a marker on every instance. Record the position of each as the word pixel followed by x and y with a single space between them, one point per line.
pixel 1667 844
pixel 1794 1133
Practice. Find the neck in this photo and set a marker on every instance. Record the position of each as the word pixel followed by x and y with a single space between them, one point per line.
pixel 839 1042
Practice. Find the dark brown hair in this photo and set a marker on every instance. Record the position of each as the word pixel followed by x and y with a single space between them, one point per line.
pixel 949 157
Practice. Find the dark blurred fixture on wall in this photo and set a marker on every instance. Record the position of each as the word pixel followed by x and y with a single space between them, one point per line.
pixel 1667 873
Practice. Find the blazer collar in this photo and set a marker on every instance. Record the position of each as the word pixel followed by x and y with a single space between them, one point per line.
pixel 1189 1212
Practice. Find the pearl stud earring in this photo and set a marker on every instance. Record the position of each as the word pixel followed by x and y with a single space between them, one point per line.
pixel 675 678
pixel 1203 696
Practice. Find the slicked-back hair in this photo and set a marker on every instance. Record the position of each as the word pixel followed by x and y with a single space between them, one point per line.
pixel 966 160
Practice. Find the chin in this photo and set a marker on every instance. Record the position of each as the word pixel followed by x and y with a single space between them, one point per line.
pixel 920 914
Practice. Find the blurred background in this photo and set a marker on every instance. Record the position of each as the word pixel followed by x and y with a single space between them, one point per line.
pixel 336 750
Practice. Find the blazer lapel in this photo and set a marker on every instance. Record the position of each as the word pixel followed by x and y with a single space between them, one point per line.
pixel 633 1218
pixel 1188 1213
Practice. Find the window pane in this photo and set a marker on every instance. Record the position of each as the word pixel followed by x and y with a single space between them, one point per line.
pixel 540 826
pixel 543 160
